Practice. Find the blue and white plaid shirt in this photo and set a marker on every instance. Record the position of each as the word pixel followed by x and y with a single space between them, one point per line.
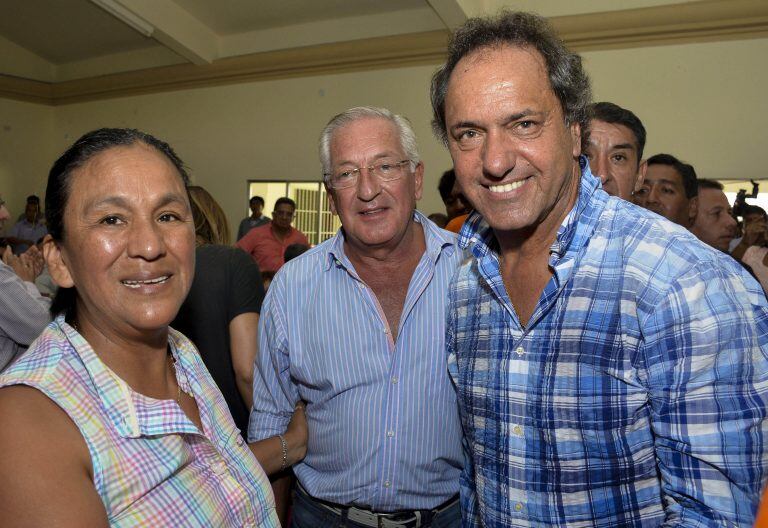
pixel 635 396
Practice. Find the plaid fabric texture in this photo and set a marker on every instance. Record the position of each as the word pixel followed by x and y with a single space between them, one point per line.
pixel 635 396
pixel 152 466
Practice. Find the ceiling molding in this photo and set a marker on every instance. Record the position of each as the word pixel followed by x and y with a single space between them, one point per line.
pixel 26 90
pixel 450 12
pixel 663 25
pixel 669 24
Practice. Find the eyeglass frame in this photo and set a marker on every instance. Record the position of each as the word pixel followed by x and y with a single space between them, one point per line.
pixel 399 164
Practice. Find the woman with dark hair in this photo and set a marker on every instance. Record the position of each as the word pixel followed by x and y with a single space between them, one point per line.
pixel 111 418
pixel 221 317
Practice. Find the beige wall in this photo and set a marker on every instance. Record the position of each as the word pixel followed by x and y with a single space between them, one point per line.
pixel 26 151
pixel 702 102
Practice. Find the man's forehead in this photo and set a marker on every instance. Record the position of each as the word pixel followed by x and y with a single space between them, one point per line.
pixel 613 134
pixel 507 60
pixel 714 197
pixel 663 173
pixel 372 137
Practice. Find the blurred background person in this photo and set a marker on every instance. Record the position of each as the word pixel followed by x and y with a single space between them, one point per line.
pixel 23 310
pixel 267 244
pixel 714 224
pixel 28 230
pixel 256 204
pixel 615 149
pixel 457 207
pixel 669 189
pixel 221 312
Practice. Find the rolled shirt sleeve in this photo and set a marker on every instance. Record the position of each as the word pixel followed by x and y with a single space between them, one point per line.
pixel 274 394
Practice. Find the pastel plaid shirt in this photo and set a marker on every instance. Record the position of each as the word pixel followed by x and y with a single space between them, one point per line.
pixel 151 464
pixel 635 396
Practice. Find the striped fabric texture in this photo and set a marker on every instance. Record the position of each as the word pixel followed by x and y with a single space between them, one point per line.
pixel 635 396
pixel 383 421
pixel 23 314
pixel 152 466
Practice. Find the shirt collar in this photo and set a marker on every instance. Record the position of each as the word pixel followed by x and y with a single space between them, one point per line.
pixel 572 234
pixel 436 240
pixel 126 409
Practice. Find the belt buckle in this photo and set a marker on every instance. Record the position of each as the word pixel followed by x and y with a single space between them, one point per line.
pixel 413 522
pixel 364 517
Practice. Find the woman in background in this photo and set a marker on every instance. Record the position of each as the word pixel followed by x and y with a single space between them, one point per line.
pixel 221 317
pixel 221 312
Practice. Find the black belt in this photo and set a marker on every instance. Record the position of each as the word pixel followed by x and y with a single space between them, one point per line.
pixel 402 519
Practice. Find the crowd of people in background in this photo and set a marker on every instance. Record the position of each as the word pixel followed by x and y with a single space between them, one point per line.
pixel 581 338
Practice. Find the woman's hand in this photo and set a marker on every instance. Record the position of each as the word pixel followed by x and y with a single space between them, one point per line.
pixel 296 435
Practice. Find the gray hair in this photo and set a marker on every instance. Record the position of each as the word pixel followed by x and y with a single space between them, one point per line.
pixel 567 77
pixel 403 126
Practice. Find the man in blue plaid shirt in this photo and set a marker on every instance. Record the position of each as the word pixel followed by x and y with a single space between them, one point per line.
pixel 611 369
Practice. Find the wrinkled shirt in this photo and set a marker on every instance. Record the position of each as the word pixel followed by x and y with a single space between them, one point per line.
pixel 151 465
pixel 635 396
pixel 383 424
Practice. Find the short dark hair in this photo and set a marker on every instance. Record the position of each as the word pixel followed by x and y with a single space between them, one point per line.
pixel 567 77
pixel 704 183
pixel 616 115
pixel 285 200
pixel 686 172
pixel 447 181
pixel 57 190
pixel 293 251
pixel 750 209
pixel 33 199
pixel 256 199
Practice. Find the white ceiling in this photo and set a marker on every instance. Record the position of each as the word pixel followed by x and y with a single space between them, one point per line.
pixel 50 48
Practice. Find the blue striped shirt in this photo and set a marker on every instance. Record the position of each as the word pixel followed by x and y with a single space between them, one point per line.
pixel 635 396
pixel 384 431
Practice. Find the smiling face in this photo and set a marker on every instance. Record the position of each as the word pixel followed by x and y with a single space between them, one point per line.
pixel 612 154
pixel 128 244
pixel 374 213
pixel 513 154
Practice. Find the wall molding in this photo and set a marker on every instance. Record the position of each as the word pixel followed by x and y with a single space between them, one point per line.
pixel 705 21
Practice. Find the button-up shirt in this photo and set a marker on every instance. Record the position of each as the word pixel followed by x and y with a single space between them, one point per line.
pixel 383 423
pixel 151 465
pixel 27 230
pixel 266 249
pixel 635 396
pixel 23 314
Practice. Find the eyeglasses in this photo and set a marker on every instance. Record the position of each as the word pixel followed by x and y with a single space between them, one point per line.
pixel 384 170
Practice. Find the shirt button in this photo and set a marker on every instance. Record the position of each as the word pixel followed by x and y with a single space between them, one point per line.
pixel 519 351
pixel 387 483
pixel 219 467
pixel 386 331
pixel 390 434
pixel 239 440
pixel 518 506
pixel 517 430
pixel 394 380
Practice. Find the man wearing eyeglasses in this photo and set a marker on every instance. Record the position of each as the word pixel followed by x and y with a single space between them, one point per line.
pixel 355 328
pixel 267 243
